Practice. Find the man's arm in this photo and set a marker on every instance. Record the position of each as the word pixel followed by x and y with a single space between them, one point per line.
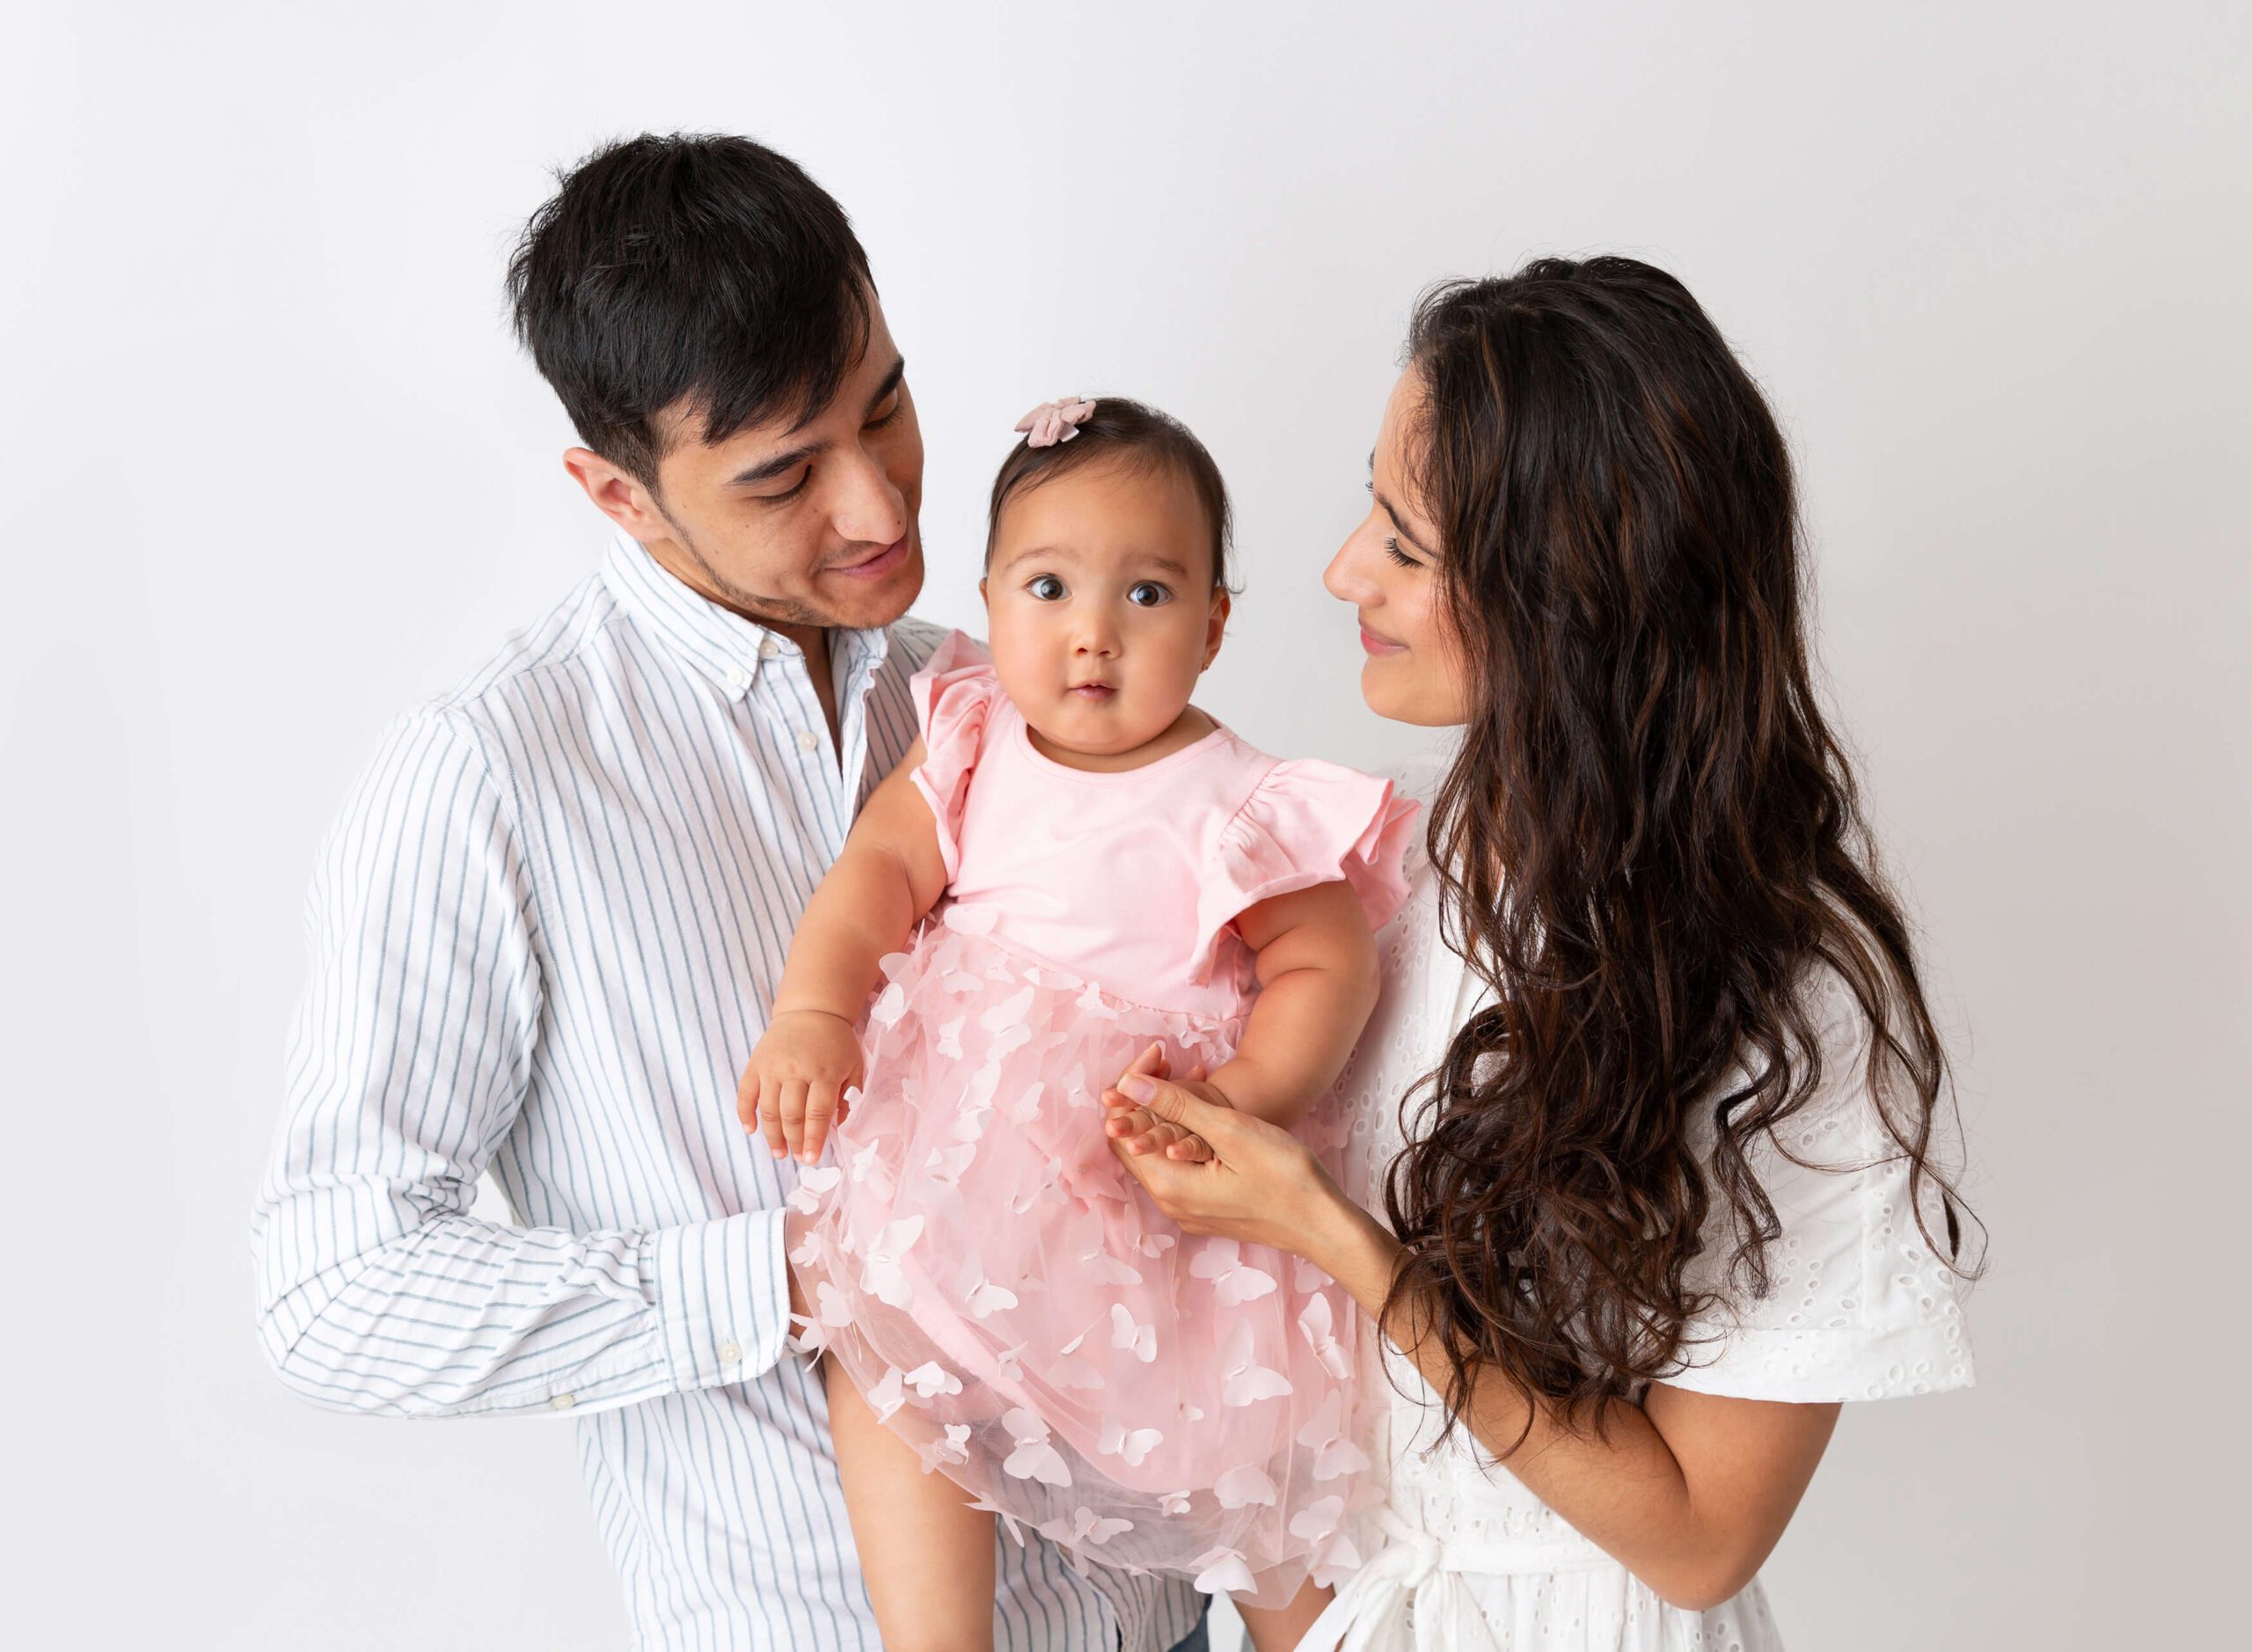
pixel 411 1055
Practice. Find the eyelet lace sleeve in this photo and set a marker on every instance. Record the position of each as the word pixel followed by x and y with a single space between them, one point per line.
pixel 1859 1306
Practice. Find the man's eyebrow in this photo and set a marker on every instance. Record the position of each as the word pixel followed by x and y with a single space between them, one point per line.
pixel 789 459
pixel 890 383
pixel 767 470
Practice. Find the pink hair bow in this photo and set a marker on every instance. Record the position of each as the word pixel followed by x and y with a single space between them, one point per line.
pixel 1053 421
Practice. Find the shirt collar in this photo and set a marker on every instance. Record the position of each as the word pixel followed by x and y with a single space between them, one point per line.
pixel 715 642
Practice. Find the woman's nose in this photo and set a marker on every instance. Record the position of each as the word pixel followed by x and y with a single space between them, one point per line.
pixel 1345 579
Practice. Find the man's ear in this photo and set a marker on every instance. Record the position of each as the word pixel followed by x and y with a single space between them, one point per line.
pixel 1216 626
pixel 622 498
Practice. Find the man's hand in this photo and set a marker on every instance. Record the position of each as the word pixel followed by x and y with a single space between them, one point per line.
pixel 1135 1129
pixel 794 1089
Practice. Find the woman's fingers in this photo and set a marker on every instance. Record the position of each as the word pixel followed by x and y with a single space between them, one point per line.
pixel 1172 1105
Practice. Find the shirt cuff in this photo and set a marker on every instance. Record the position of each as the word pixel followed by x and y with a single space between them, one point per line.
pixel 723 1296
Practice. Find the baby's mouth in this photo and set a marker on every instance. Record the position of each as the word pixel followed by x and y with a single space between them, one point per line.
pixel 1095 692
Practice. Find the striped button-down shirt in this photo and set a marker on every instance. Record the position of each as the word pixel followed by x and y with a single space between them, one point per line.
pixel 545 934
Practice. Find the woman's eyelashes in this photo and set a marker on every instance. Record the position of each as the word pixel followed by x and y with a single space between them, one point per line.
pixel 1391 544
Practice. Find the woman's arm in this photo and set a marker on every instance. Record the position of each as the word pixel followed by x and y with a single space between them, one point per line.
pixel 1689 1492
pixel 890 875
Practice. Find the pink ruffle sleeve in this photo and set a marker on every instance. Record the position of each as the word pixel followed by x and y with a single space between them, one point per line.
pixel 1306 822
pixel 954 694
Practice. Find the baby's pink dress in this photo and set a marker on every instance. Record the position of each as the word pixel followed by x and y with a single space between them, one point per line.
pixel 990 1277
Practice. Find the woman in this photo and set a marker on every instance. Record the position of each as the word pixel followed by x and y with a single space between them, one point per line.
pixel 1651 1106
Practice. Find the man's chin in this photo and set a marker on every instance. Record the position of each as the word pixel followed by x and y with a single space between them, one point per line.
pixel 865 601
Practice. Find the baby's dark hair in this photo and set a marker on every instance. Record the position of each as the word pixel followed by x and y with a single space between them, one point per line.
pixel 1122 432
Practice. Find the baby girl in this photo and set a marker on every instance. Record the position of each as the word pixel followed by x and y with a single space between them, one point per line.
pixel 1111 879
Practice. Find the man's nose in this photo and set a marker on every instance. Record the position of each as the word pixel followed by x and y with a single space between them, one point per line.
pixel 870 510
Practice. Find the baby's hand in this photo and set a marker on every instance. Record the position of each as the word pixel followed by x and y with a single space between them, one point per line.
pixel 1137 1131
pixel 794 1089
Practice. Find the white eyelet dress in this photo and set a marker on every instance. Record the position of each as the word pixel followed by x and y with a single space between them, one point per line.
pixel 1461 1557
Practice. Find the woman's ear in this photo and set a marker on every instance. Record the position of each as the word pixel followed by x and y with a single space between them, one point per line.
pixel 1216 626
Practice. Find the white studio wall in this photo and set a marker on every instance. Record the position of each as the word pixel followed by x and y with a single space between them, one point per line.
pixel 277 471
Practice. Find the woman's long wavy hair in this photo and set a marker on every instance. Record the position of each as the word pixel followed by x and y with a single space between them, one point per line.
pixel 1648 842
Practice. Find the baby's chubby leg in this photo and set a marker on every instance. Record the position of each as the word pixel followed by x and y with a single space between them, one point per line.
pixel 1279 1628
pixel 926 1555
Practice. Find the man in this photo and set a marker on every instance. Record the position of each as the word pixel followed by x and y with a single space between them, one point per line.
pixel 547 929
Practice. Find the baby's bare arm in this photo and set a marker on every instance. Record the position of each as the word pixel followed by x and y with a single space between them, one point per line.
pixel 1318 981
pixel 890 875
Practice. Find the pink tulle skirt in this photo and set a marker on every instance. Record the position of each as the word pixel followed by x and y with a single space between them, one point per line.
pixel 1011 1302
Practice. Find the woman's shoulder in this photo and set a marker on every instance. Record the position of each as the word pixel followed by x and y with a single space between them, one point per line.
pixel 1861 1295
pixel 1418 775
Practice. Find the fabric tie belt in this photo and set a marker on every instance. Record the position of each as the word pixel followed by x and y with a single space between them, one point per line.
pixel 1416 1569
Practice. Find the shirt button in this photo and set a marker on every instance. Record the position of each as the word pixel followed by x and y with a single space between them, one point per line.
pixel 809 740
pixel 564 1402
pixel 729 1353
pixel 737 679
pixel 769 648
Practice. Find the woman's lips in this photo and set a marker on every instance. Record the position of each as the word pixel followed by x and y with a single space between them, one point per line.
pixel 879 565
pixel 1376 644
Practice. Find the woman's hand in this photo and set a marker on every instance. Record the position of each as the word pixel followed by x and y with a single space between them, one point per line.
pixel 1245 1179
pixel 794 1087
pixel 1134 1128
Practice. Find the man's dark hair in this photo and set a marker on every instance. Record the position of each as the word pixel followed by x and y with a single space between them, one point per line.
pixel 1131 434
pixel 689 268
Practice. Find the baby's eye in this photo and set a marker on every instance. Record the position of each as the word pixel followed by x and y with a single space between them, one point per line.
pixel 1045 587
pixel 1149 594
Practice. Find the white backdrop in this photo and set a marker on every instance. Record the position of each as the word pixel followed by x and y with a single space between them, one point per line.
pixel 274 471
